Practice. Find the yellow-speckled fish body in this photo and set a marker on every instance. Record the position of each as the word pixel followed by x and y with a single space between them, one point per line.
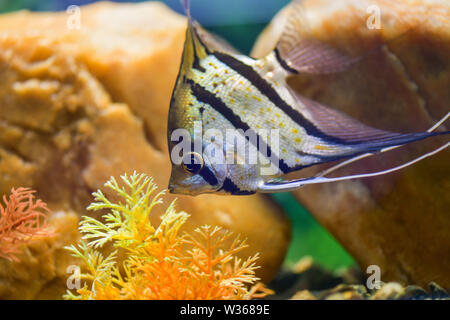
pixel 224 100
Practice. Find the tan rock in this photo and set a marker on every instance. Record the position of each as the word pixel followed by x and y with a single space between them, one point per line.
pixel 42 271
pixel 401 221
pixel 77 106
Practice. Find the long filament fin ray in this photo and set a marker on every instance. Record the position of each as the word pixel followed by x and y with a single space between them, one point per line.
pixel 295 184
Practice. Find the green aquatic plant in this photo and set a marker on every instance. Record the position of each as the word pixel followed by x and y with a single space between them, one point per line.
pixel 160 262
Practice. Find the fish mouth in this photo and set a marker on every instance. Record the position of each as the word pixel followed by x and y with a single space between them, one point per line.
pixel 182 191
pixel 189 191
pixel 176 189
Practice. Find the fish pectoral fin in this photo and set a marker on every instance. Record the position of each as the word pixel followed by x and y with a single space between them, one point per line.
pixel 297 51
pixel 343 129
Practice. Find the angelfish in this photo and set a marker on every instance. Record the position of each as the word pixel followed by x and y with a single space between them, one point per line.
pixel 219 90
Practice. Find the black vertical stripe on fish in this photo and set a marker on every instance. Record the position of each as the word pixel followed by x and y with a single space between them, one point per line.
pixel 266 89
pixel 199 38
pixel 196 65
pixel 208 176
pixel 196 62
pixel 209 98
pixel 283 63
pixel 205 172
pixel 230 187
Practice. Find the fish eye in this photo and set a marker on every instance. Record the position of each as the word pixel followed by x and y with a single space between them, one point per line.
pixel 192 162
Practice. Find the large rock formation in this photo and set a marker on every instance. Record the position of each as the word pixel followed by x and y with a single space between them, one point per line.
pixel 80 105
pixel 400 222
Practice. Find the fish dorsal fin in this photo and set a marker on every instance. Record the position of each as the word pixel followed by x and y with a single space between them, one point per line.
pixel 187 8
pixel 209 41
pixel 338 128
pixel 337 124
pixel 193 50
pixel 214 42
pixel 297 51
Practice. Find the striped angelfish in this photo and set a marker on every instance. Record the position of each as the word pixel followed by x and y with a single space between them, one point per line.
pixel 235 126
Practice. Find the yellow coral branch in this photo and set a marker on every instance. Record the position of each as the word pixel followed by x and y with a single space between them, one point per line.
pixel 160 262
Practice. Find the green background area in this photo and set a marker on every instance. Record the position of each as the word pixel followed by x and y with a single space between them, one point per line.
pixel 240 22
pixel 310 238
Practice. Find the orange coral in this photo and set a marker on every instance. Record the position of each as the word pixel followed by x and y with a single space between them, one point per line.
pixel 160 263
pixel 20 219
pixel 199 268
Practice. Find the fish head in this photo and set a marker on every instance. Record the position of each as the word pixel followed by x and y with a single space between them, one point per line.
pixel 194 170
pixel 196 174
